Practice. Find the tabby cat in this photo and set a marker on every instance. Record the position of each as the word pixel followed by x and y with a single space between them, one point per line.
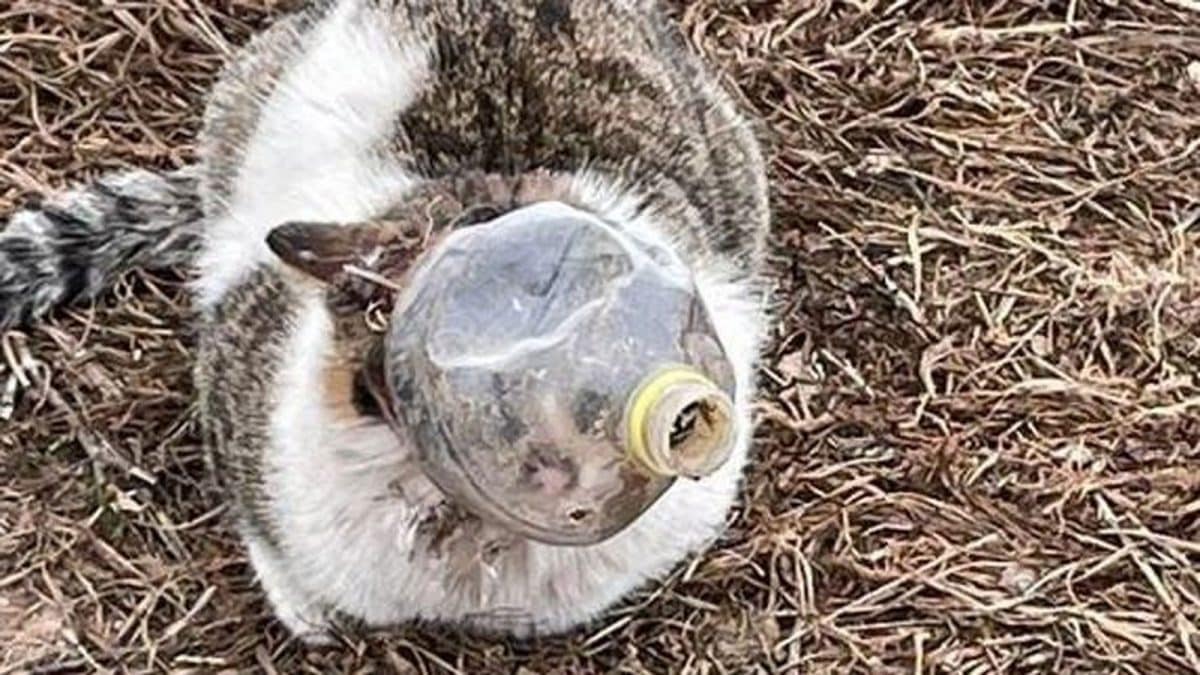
pixel 336 147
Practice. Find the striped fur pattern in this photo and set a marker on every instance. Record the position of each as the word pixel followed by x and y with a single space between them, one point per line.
pixel 76 244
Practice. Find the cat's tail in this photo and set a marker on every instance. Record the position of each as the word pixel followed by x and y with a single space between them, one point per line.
pixel 76 244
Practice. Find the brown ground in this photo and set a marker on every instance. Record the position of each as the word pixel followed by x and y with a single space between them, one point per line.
pixel 981 439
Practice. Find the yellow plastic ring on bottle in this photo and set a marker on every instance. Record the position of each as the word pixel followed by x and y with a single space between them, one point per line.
pixel 647 396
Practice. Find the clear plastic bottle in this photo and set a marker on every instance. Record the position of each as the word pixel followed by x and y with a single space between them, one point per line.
pixel 556 374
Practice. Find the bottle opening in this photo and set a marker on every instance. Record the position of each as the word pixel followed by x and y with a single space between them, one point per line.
pixel 699 439
pixel 681 424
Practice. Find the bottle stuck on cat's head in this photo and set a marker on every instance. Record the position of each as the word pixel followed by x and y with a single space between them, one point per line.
pixel 556 375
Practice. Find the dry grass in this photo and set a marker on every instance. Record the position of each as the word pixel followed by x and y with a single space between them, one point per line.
pixel 981 439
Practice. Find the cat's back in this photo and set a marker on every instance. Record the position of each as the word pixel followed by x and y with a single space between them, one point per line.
pixel 377 95
pixel 606 89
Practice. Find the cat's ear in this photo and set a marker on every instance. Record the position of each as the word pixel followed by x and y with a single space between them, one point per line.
pixel 326 251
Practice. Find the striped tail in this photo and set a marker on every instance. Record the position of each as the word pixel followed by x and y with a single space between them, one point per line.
pixel 75 245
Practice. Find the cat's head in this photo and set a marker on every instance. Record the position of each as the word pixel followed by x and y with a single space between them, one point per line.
pixel 554 373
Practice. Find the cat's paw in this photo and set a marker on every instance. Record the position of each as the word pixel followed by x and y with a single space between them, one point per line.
pixel 306 621
pixel 302 615
pixel 314 637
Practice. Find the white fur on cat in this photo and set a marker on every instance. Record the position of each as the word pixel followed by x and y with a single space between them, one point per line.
pixel 346 498
pixel 316 154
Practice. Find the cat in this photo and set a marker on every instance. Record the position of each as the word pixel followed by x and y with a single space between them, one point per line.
pixel 337 140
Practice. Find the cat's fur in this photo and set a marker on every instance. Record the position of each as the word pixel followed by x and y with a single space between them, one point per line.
pixel 74 245
pixel 375 114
